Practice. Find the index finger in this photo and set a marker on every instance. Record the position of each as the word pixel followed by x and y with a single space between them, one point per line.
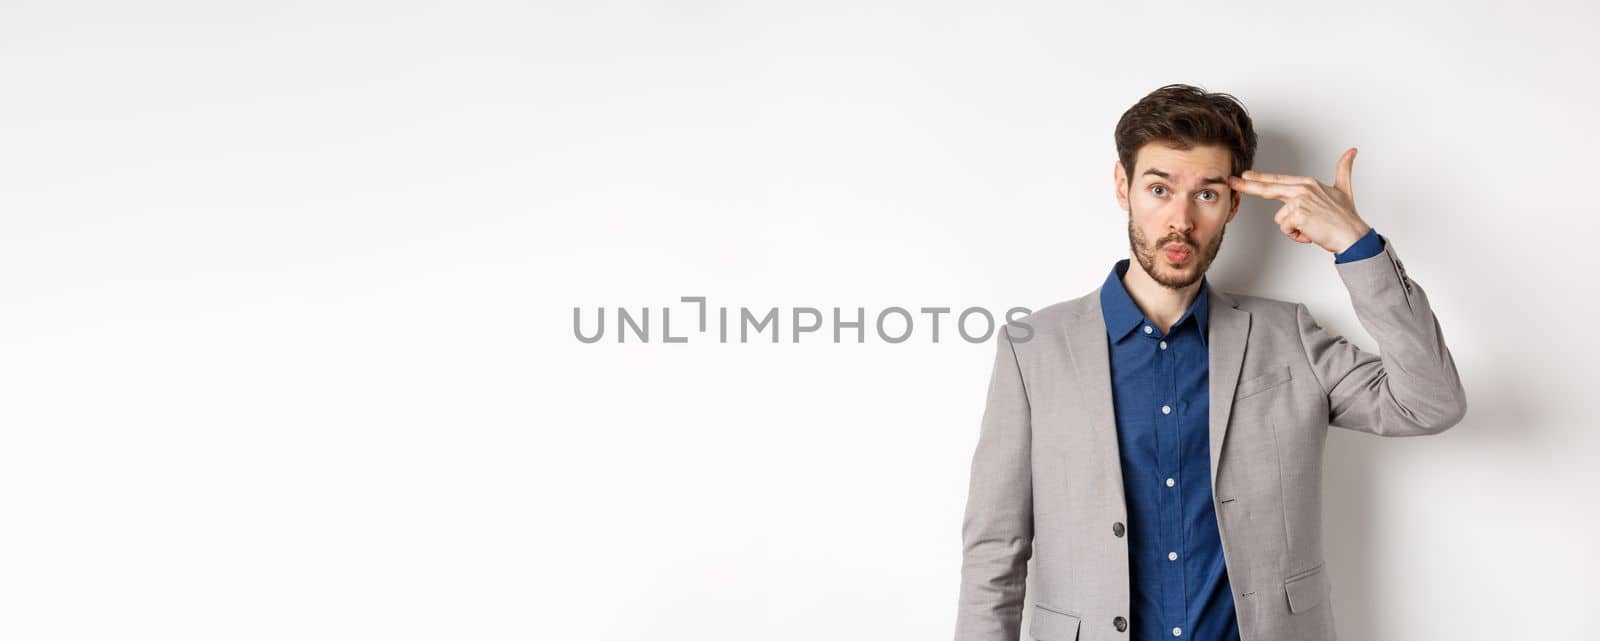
pixel 1275 191
pixel 1288 179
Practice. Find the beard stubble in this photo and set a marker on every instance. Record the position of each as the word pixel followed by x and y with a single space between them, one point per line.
pixel 1146 253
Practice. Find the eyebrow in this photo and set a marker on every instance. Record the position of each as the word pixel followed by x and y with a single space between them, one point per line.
pixel 1212 180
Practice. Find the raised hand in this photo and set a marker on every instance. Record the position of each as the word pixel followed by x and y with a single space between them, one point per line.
pixel 1312 212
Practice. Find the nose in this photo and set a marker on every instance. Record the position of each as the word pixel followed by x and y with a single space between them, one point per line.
pixel 1182 218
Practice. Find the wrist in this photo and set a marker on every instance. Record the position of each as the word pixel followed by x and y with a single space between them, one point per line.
pixel 1346 241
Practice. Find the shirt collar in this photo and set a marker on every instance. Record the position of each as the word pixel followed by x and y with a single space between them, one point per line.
pixel 1122 316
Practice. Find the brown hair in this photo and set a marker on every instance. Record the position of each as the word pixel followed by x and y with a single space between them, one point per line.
pixel 1184 116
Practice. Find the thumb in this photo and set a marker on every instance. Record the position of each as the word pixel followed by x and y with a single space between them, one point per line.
pixel 1341 177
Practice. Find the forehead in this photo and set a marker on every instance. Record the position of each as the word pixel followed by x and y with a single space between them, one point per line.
pixel 1184 165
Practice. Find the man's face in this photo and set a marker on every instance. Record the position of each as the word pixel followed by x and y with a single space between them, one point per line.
pixel 1178 205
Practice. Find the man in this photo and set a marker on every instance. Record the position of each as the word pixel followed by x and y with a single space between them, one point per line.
pixel 1156 445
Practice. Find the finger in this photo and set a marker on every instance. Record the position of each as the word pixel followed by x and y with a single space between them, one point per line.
pixel 1287 179
pixel 1341 178
pixel 1275 191
pixel 1294 233
pixel 1290 227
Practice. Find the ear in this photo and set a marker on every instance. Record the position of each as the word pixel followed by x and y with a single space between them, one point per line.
pixel 1120 177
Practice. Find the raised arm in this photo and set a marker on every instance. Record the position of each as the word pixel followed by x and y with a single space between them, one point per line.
pixel 1411 386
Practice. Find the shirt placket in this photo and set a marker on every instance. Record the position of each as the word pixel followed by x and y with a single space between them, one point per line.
pixel 1169 448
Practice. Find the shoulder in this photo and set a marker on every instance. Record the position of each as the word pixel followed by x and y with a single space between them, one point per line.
pixel 1264 311
pixel 1052 321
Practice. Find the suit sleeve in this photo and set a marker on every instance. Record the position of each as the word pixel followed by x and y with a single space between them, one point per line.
pixel 997 530
pixel 1411 387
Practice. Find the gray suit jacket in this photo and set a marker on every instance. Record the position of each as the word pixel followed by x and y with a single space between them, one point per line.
pixel 1047 482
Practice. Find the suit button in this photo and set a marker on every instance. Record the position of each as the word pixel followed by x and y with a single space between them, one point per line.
pixel 1121 623
pixel 1117 529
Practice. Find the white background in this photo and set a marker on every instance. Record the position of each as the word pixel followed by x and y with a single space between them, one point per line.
pixel 288 288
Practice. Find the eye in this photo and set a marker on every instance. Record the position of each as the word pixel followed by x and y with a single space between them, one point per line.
pixel 1159 190
pixel 1209 195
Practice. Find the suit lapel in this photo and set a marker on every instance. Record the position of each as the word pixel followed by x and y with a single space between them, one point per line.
pixel 1091 362
pixel 1229 330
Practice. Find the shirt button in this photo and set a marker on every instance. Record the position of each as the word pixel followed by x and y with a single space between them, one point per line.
pixel 1172 556
pixel 1121 623
pixel 1177 632
pixel 1166 409
pixel 1171 482
pixel 1163 344
pixel 1147 329
pixel 1118 529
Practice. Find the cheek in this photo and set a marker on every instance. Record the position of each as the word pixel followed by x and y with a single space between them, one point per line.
pixel 1146 207
pixel 1145 199
pixel 1209 229
pixel 1144 216
pixel 1214 213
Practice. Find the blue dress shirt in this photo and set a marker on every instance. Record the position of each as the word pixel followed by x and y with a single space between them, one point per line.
pixel 1370 244
pixel 1160 388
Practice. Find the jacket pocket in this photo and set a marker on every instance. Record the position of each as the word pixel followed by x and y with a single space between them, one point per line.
pixel 1308 589
pixel 1273 378
pixel 1050 624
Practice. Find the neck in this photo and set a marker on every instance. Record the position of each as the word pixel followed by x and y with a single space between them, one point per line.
pixel 1159 303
